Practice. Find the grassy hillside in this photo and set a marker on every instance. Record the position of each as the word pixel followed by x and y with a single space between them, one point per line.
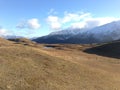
pixel 110 50
pixel 23 41
pixel 61 67
pixel 4 42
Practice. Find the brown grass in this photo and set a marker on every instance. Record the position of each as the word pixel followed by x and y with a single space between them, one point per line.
pixel 64 67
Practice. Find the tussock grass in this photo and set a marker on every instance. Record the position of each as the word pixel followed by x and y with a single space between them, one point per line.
pixel 24 67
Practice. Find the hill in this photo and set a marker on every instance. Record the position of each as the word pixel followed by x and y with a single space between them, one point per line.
pixel 109 49
pixel 55 67
pixel 4 42
pixel 24 41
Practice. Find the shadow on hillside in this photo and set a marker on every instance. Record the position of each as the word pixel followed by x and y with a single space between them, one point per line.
pixel 53 46
pixel 108 50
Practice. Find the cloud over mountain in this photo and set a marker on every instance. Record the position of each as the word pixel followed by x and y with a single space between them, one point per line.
pixel 77 20
pixel 74 17
pixel 55 22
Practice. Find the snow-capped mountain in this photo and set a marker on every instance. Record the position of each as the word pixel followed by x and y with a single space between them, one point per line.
pixel 105 33
pixel 68 31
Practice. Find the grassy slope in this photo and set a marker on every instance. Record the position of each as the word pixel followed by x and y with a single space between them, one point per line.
pixel 107 69
pixel 64 68
pixel 109 50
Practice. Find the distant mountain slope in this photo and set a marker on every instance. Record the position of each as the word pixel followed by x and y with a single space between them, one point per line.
pixel 105 33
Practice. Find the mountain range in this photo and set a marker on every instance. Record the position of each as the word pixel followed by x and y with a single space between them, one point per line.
pixel 101 34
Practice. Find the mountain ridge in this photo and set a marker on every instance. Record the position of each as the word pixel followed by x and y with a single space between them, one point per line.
pixel 105 33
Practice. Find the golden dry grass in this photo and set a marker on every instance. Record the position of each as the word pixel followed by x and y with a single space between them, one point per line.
pixel 66 67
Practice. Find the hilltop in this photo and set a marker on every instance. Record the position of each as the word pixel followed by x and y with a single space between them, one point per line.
pixel 5 42
pixel 24 41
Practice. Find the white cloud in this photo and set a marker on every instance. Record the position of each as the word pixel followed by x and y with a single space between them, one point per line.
pixel 74 17
pixel 29 24
pixel 4 32
pixel 93 22
pixel 105 20
pixel 33 24
pixel 54 22
pixel 77 20
pixel 78 25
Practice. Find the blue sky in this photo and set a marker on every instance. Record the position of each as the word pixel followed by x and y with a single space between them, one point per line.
pixel 33 18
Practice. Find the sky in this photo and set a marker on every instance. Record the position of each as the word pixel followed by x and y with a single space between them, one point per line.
pixel 35 18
